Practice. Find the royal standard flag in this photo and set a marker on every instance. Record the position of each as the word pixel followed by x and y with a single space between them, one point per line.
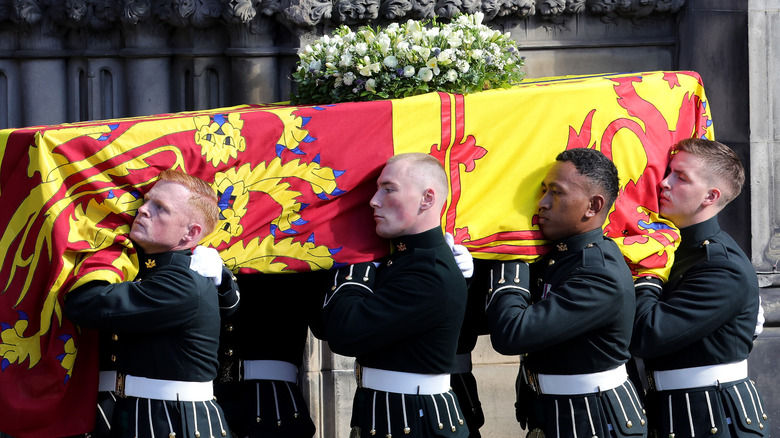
pixel 293 186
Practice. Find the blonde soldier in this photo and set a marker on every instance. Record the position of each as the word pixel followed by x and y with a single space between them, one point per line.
pixel 401 320
pixel 696 331
pixel 166 321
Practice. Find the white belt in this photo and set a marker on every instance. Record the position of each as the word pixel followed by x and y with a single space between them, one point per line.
pixel 270 370
pixel 708 375
pixel 403 383
pixel 107 381
pixel 156 389
pixel 571 384
pixel 462 364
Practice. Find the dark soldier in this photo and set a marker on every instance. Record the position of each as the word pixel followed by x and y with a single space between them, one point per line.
pixel 261 353
pixel 696 331
pixel 401 320
pixel 570 314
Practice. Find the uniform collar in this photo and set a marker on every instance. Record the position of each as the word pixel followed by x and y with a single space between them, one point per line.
pixel 695 234
pixel 150 262
pixel 427 239
pixel 575 243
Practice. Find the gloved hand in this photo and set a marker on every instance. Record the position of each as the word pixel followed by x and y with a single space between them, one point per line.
pixel 208 263
pixel 360 274
pixel 509 276
pixel 462 256
pixel 760 320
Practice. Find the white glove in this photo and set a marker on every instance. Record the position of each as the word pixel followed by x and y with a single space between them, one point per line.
pixel 760 320
pixel 462 256
pixel 208 263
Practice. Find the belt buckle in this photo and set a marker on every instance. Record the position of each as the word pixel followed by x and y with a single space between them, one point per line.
pixel 532 380
pixel 120 385
pixel 650 381
pixel 359 374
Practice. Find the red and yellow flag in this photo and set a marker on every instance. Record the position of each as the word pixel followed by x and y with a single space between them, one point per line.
pixel 294 185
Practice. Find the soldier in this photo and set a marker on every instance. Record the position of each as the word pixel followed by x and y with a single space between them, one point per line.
pixel 166 321
pixel 696 331
pixel 570 314
pixel 261 353
pixel 401 320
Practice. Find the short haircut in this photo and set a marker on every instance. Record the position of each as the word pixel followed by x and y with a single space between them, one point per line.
pixel 722 164
pixel 203 201
pixel 597 168
pixel 426 169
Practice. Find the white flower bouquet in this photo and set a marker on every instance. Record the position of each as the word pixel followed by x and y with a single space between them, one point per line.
pixel 462 56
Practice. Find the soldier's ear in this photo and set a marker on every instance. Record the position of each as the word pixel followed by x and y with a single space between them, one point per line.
pixel 194 233
pixel 596 204
pixel 428 199
pixel 712 197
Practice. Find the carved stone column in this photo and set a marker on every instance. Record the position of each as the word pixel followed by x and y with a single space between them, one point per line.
pixel 41 64
pixel 253 55
pixel 764 55
pixel 9 80
pixel 147 59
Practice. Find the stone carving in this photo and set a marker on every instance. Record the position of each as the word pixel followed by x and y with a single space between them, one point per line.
pixel 551 7
pixel 356 11
pixel 97 15
pixel 134 11
pixel 104 15
pixel 422 9
pixel 394 9
pixel 305 13
pixel 239 11
pixel 503 8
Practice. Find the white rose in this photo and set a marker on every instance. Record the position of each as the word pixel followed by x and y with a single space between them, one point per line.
pixel 425 74
pixel 408 71
pixel 452 75
pixel 349 78
pixel 390 61
pixel 364 70
pixel 413 26
pixel 384 44
pixel 361 48
pixel 346 60
pixel 315 65
pixel 371 85
pixel 463 66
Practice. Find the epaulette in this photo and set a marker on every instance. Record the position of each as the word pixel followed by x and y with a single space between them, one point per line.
pixel 714 250
pixel 592 255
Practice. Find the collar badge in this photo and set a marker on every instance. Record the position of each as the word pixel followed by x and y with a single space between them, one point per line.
pixel 562 247
pixel 151 263
pixel 401 247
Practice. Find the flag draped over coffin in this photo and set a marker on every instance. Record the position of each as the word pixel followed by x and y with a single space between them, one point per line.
pixel 293 186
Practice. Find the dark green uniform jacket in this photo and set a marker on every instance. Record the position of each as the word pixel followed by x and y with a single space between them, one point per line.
pixel 704 315
pixel 577 319
pixel 405 316
pixel 271 324
pixel 167 327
